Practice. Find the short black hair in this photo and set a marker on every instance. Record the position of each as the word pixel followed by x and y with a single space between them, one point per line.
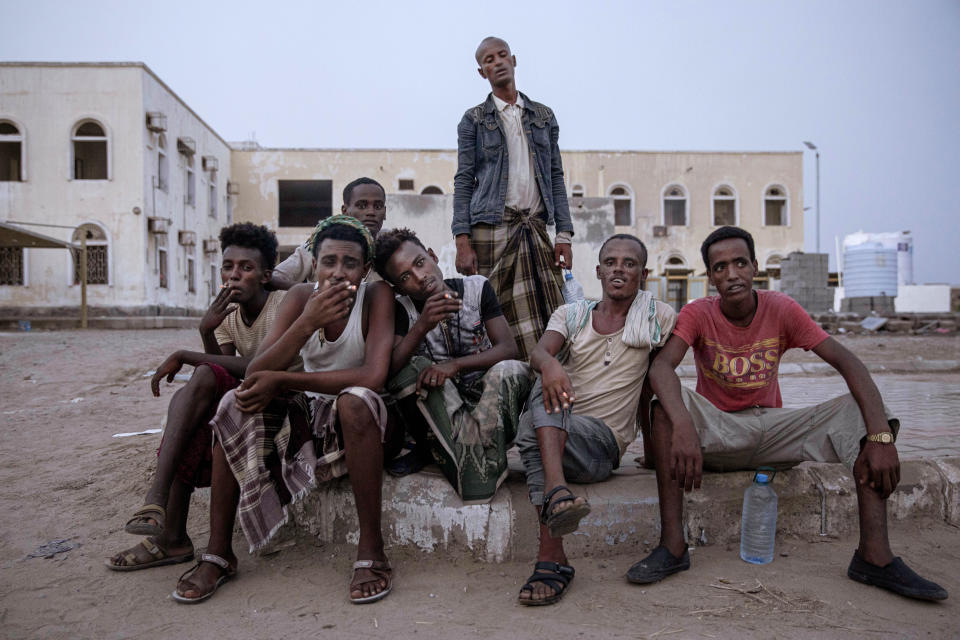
pixel 626 236
pixel 724 233
pixel 476 54
pixel 251 236
pixel 348 190
pixel 387 244
pixel 342 232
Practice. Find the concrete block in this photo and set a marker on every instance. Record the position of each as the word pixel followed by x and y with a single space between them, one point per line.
pixel 420 511
pixel 712 515
pixel 838 499
pixel 949 469
pixel 920 492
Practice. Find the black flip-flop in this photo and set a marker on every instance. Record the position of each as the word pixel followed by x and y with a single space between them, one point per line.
pixel 565 522
pixel 559 578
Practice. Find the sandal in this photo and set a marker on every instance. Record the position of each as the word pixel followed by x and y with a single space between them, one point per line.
pixel 139 525
pixel 157 553
pixel 562 523
pixel 228 572
pixel 559 578
pixel 381 570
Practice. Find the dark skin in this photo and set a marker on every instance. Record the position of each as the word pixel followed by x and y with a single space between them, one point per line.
pixel 340 270
pixel 676 445
pixel 244 277
pixel 415 272
pixel 368 204
pixel 496 65
pixel 622 272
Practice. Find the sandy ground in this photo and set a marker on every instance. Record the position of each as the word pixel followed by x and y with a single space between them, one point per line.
pixel 63 477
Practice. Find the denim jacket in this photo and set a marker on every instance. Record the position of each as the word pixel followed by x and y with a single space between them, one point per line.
pixel 480 186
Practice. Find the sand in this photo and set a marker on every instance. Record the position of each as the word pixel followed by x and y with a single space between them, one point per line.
pixel 64 478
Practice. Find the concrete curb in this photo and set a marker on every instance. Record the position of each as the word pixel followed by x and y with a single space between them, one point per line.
pixel 421 512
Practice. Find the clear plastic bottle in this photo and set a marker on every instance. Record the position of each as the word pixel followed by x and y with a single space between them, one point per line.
pixel 572 291
pixel 758 527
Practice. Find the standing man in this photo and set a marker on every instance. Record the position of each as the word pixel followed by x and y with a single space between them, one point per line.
pixel 508 188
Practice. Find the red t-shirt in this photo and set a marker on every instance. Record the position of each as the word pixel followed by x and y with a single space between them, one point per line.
pixel 737 366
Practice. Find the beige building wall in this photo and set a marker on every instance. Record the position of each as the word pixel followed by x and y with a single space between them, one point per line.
pixel 645 176
pixel 46 101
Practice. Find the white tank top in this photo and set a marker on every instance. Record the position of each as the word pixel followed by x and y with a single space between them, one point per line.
pixel 346 352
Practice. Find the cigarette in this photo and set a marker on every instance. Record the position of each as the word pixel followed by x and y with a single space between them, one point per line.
pixel 447 296
pixel 223 286
pixel 352 287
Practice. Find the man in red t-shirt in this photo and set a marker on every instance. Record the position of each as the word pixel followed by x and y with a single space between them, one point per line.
pixel 735 420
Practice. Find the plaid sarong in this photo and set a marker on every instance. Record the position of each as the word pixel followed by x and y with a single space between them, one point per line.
pixel 279 455
pixel 470 429
pixel 517 258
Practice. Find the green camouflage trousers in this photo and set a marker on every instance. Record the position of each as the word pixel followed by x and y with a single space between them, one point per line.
pixel 470 429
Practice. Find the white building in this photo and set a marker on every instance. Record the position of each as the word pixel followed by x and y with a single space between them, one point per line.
pixel 110 151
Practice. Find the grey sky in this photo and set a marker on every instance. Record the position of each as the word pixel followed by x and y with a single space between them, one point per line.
pixel 876 85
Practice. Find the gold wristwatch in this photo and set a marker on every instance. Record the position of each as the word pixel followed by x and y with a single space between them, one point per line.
pixel 883 438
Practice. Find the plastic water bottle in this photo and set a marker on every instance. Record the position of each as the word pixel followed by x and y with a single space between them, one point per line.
pixel 758 527
pixel 572 291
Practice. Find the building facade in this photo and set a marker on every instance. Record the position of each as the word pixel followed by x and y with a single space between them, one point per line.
pixel 111 152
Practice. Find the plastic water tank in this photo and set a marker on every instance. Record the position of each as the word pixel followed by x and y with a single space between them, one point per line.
pixel 870 270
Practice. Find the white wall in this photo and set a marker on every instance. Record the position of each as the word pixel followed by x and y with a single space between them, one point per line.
pixel 922 298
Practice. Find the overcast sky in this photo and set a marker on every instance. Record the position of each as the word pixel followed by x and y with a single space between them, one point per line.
pixel 876 85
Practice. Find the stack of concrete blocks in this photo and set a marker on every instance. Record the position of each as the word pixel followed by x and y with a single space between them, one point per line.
pixel 803 277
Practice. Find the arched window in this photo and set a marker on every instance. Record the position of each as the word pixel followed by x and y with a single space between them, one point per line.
pixel 432 190
pixel 675 206
pixel 90 151
pixel 622 205
pixel 724 206
pixel 163 170
pixel 98 271
pixel 772 265
pixel 11 152
pixel 775 210
pixel 577 191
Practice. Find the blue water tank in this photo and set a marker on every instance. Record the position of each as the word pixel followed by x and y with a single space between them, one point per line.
pixel 869 270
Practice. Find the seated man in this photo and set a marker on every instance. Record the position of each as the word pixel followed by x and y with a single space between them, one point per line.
pixel 363 199
pixel 735 419
pixel 581 414
pixel 249 253
pixel 451 359
pixel 280 444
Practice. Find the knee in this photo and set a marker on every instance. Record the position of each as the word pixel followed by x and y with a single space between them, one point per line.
pixel 203 382
pixel 353 413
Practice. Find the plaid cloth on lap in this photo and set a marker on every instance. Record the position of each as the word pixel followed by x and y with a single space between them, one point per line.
pixel 517 258
pixel 279 455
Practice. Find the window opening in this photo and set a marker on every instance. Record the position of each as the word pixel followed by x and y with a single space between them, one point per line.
pixel 724 207
pixel 675 206
pixel 90 152
pixel 11 153
pixel 11 266
pixel 775 207
pixel 304 202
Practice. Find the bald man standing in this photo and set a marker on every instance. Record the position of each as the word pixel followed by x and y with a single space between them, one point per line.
pixel 508 188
